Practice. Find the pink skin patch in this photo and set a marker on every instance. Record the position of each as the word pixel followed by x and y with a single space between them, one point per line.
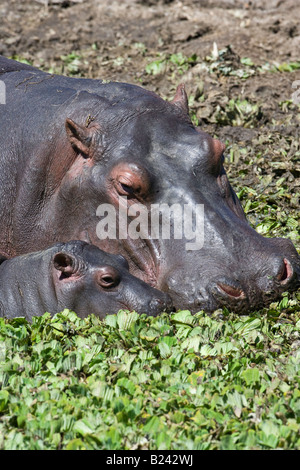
pixel 286 272
pixel 231 291
pixel 218 149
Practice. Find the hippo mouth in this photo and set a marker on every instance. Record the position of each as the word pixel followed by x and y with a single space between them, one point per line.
pixel 144 256
pixel 230 294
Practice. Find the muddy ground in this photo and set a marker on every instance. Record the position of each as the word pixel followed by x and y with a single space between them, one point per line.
pixel 238 59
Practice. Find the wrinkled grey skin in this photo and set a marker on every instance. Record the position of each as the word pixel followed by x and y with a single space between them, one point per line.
pixel 68 145
pixel 77 276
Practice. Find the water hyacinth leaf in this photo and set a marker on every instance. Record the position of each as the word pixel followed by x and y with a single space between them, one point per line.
pixel 126 385
pixel 196 377
pixel 207 350
pixel 245 327
pixel 164 349
pixel 149 334
pixel 163 441
pixel 237 401
pixel 127 359
pixel 83 427
pixel 126 319
pixel 268 440
pixel 283 303
pixel 153 425
pixel 247 61
pixel 225 347
pixel 76 444
pixel 191 343
pixel 184 317
pixel 156 67
pixel 251 376
pixel 227 442
pixel 4 396
pixel 98 388
pixel 111 320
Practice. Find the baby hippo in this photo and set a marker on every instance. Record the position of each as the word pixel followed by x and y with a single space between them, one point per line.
pixel 77 276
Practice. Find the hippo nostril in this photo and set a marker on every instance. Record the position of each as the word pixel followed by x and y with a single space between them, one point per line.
pixel 285 273
pixel 231 291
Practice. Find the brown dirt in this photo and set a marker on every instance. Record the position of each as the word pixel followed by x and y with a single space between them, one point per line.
pixel 117 40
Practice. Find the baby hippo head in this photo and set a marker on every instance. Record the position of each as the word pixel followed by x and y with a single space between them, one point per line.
pixel 89 280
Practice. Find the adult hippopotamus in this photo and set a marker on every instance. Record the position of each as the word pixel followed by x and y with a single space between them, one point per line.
pixel 71 145
pixel 74 275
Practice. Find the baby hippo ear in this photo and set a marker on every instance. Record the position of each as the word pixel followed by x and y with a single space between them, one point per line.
pixel 79 136
pixel 66 263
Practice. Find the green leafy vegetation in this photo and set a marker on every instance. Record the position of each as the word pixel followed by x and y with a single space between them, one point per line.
pixel 238 113
pixel 226 62
pixel 272 203
pixel 21 59
pixel 171 63
pixel 72 63
pixel 136 382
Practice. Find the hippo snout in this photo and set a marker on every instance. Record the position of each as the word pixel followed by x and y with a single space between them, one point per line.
pixel 239 287
pixel 286 262
pixel 284 271
pixel 266 285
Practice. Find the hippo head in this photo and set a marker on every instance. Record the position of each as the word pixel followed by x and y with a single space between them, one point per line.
pixel 143 151
pixel 88 280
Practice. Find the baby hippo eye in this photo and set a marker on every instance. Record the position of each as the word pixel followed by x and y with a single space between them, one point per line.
pixel 108 277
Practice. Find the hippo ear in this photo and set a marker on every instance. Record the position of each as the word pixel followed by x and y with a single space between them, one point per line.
pixel 180 99
pixel 79 136
pixel 65 263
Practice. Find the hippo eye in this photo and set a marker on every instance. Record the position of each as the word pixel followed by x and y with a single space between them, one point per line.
pixel 127 186
pixel 131 180
pixel 108 277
